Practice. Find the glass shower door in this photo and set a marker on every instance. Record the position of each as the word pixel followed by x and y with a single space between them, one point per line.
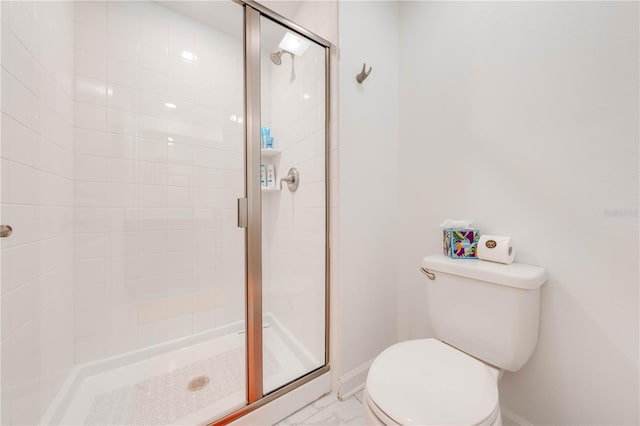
pixel 294 220
pixel 123 282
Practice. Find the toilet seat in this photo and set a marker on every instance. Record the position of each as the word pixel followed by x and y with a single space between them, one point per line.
pixel 376 417
pixel 426 382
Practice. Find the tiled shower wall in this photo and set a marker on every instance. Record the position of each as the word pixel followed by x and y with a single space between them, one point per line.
pixel 37 201
pixel 158 168
pixel 124 209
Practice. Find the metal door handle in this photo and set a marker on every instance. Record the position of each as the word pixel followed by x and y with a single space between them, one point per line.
pixel 243 213
pixel 5 231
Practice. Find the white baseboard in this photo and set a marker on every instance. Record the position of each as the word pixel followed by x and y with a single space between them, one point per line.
pixel 510 418
pixel 352 382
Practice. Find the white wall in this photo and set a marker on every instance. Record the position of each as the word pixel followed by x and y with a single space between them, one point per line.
pixel 367 199
pixel 158 254
pixel 37 201
pixel 524 117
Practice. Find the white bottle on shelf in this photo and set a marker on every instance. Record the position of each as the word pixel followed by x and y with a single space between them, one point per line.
pixel 271 176
pixel 263 176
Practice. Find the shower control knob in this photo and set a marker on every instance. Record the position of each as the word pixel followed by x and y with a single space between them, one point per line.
pixel 292 179
pixel 5 231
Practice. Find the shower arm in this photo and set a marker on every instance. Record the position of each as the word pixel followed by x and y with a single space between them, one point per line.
pixel 276 58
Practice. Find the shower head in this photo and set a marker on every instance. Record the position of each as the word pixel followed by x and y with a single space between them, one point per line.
pixel 276 57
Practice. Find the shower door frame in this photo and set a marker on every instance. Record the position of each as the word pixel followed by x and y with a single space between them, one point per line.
pixel 253 237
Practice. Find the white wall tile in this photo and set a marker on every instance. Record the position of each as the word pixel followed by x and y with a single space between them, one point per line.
pixel 122 219
pixel 89 272
pixel 122 24
pixel 18 306
pixel 89 142
pixel 88 116
pixel 90 90
pixel 24 106
pixel 20 144
pixel 18 61
pixel 134 190
pixel 120 170
pixel 150 196
pixel 120 121
pixel 89 348
pixel 179 41
pixel 89 194
pixel 89 246
pixel 154 58
pixel 179 197
pixel 89 38
pixel 151 150
pixel 120 195
pixel 122 244
pixel 23 24
pixel 149 126
pixel 122 48
pixel 151 173
pixel 154 33
pixel 89 64
pixel 24 184
pixel 120 145
pixel 87 219
pixel 37 193
pixel 92 13
pixel 89 322
pixel 89 168
pixel 122 73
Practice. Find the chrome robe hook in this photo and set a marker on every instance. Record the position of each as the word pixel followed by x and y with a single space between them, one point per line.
pixel 362 75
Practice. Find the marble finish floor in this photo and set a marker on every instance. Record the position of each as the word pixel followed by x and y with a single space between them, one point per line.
pixel 329 411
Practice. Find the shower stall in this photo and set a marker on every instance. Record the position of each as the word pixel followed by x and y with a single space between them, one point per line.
pixel 164 209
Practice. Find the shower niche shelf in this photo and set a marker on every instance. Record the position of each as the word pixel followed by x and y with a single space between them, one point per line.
pixel 268 153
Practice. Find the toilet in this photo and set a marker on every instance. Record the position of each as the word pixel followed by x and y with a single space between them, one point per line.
pixel 485 317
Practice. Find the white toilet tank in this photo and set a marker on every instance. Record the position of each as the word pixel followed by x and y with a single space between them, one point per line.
pixel 488 310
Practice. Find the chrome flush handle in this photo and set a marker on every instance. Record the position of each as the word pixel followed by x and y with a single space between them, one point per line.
pixel 428 273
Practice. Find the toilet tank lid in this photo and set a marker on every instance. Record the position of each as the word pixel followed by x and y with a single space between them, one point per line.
pixel 516 275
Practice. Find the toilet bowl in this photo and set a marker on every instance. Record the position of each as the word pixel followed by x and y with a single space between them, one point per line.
pixel 488 315
pixel 427 382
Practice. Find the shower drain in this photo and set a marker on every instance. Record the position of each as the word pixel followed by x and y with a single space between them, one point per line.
pixel 198 383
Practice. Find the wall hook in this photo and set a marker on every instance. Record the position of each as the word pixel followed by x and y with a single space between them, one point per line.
pixel 363 75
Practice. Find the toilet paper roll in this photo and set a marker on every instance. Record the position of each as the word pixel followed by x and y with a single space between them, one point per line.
pixel 496 248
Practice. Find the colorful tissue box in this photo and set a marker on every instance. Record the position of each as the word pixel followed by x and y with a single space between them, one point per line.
pixel 460 243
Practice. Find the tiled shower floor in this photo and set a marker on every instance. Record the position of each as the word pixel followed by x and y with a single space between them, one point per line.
pixel 155 391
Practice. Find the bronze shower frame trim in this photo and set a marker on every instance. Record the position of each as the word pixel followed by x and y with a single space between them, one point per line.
pixel 253 237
